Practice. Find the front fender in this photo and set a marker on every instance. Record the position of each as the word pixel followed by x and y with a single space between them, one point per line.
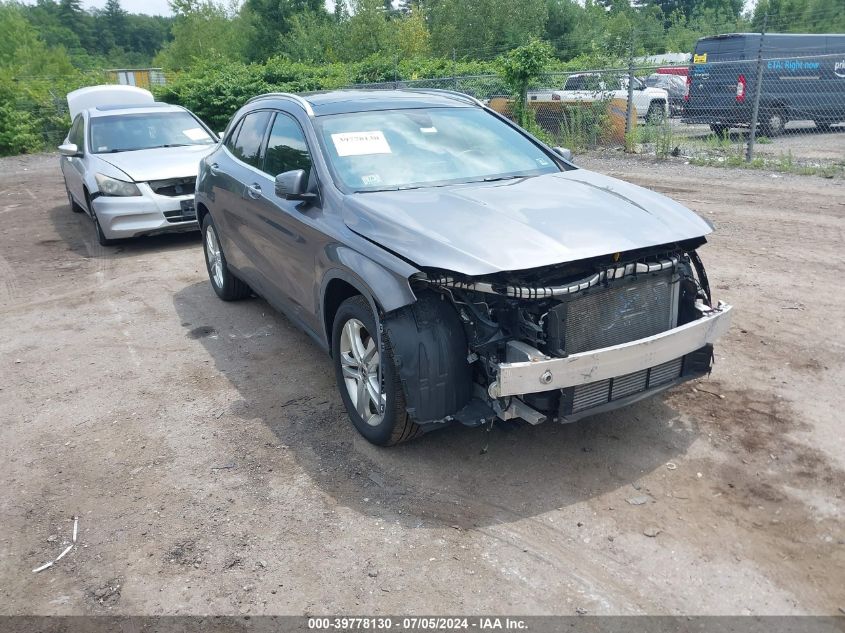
pixel 389 288
pixel 386 289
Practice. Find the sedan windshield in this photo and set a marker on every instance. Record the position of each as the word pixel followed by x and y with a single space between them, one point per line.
pixel 130 132
pixel 405 149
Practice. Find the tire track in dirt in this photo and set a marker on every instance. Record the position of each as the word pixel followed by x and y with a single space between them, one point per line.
pixel 9 289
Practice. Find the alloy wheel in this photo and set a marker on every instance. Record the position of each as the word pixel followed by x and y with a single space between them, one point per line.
pixel 215 259
pixel 361 368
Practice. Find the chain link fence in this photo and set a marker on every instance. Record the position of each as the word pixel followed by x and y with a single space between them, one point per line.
pixel 785 113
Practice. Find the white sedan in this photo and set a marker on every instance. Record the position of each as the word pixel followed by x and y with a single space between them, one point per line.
pixel 131 163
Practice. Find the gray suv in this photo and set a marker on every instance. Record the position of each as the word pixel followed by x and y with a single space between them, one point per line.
pixel 456 268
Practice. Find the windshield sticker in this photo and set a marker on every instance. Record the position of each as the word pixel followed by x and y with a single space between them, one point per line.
pixel 371 179
pixel 103 148
pixel 360 143
pixel 428 130
pixel 195 134
pixel 699 59
pixel 542 162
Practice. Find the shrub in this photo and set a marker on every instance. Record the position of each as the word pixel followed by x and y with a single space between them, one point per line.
pixel 18 133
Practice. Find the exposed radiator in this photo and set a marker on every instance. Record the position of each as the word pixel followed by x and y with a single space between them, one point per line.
pixel 626 310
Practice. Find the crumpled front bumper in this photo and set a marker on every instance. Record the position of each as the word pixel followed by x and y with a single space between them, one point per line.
pixel 543 373
pixel 146 214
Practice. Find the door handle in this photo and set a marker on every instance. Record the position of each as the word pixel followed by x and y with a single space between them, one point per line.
pixel 254 191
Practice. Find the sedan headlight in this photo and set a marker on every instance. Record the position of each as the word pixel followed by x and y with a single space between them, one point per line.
pixel 114 187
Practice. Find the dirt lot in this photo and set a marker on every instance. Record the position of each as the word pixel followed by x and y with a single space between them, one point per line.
pixel 205 449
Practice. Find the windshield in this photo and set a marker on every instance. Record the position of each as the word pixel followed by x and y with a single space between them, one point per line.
pixel 403 149
pixel 129 132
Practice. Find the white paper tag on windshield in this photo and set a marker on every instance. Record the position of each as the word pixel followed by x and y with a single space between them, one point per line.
pixel 360 143
pixel 195 134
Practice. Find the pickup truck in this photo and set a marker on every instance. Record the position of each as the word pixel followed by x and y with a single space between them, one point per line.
pixel 652 104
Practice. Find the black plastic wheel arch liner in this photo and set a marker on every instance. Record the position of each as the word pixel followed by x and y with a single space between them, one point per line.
pixel 430 350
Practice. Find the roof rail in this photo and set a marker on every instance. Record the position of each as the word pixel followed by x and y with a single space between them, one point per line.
pixel 288 96
pixel 452 93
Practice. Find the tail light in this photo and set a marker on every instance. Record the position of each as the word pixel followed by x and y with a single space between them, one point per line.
pixel 740 89
pixel 687 88
pixel 555 96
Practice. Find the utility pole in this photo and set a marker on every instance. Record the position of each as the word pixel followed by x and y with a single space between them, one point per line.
pixel 758 85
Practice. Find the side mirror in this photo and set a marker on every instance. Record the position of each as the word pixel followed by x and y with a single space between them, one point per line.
pixel 293 185
pixel 564 153
pixel 70 150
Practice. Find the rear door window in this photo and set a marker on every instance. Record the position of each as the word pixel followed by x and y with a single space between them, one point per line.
pixel 248 144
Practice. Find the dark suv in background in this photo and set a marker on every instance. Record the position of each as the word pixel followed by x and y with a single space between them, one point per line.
pixel 455 267
pixel 803 79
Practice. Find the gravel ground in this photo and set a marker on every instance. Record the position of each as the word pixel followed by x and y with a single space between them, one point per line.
pixel 205 450
pixel 801 141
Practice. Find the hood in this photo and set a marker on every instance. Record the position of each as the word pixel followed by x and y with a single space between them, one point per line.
pixel 656 92
pixel 159 164
pixel 110 95
pixel 483 228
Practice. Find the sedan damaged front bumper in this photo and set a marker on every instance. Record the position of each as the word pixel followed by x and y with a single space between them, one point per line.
pixel 639 368
pixel 147 214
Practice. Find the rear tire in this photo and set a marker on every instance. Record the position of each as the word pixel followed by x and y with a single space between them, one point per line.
pixel 368 377
pixel 773 123
pixel 225 284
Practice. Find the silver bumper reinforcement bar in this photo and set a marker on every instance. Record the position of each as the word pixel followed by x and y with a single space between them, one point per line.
pixel 538 372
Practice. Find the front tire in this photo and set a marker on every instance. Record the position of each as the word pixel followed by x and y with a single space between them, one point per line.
pixel 73 206
pixel 101 236
pixel 656 113
pixel 225 284
pixel 718 129
pixel 367 377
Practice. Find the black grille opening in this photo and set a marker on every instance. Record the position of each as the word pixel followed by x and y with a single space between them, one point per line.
pixel 594 394
pixel 179 216
pixel 174 186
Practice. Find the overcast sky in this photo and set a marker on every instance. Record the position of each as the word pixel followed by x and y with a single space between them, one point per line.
pixel 161 7
pixel 151 7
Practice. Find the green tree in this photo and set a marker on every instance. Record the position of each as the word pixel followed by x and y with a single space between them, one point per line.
pixel 203 30
pixel 314 37
pixel 518 68
pixel 115 21
pixel 369 31
pixel 482 29
pixel 269 21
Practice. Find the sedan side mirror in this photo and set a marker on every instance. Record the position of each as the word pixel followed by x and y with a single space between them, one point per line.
pixel 564 153
pixel 293 185
pixel 70 150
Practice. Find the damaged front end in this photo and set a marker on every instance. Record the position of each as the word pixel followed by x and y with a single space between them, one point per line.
pixel 556 343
